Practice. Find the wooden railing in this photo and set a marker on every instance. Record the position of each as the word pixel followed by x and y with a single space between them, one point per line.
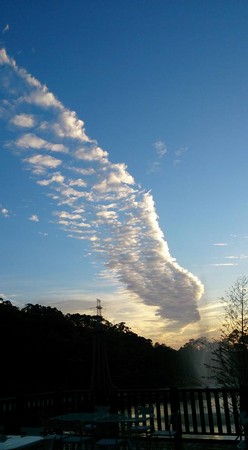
pixel 202 411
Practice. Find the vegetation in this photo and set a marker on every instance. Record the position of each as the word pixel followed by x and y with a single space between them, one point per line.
pixel 43 349
pixel 230 355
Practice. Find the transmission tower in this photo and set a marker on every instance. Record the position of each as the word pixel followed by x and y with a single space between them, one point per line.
pixel 98 308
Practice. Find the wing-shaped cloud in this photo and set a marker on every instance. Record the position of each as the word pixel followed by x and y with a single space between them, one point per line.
pixel 95 200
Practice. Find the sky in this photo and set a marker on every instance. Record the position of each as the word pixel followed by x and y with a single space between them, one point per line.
pixel 123 159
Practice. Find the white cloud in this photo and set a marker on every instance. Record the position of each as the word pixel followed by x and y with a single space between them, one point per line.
pixel 55 178
pixel 29 140
pixel 5 212
pixel 107 215
pixel 71 192
pixel 221 244
pixel 34 218
pixel 41 97
pixel 68 125
pixel 81 171
pixel 92 154
pixel 110 211
pixel 39 163
pixel 23 120
pixel 67 215
pixel 78 182
pixel 4 59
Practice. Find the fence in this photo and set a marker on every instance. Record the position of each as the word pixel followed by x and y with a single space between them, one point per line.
pixel 202 411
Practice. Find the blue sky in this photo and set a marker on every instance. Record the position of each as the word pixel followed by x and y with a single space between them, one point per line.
pixel 123 163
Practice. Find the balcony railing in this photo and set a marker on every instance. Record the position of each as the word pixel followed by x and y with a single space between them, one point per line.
pixel 202 411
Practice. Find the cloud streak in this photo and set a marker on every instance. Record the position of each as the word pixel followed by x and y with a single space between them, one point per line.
pixel 5 29
pixel 96 201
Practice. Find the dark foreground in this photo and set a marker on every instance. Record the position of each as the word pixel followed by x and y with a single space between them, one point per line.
pixel 208 445
pixel 186 444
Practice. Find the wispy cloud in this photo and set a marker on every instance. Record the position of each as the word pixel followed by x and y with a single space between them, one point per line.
pixel 220 244
pixel 237 257
pixel 178 155
pixel 224 264
pixel 160 148
pixel 160 152
pixel 97 202
pixel 6 28
pixel 43 234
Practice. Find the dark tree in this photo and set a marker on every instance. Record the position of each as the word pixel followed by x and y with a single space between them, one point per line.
pixel 230 355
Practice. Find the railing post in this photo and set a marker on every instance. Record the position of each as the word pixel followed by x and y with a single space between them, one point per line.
pixel 14 423
pixel 174 400
pixel 244 407
pixel 58 402
pixel 175 409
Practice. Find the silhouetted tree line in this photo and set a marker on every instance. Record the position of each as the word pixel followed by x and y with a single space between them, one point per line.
pixel 43 349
